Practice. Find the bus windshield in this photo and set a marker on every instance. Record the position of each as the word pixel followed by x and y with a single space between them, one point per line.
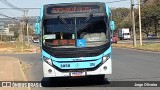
pixel 65 31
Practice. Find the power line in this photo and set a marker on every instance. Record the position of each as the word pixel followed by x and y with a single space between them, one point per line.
pixel 14 7
pixel 21 8
pixel 10 5
pixel 117 1
pixel 9 12
pixel 1 14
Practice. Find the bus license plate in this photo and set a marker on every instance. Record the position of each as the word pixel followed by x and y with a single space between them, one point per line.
pixel 77 74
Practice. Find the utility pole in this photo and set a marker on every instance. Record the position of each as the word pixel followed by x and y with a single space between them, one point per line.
pixel 22 28
pixel 25 20
pixel 133 24
pixel 27 33
pixel 140 27
pixel 26 10
pixel 21 35
pixel 1 37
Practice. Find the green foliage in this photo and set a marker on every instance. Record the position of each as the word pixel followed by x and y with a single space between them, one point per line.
pixel 16 34
pixel 121 17
pixel 150 16
pixel 30 30
pixel 15 28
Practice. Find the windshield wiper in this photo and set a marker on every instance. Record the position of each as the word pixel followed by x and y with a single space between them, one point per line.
pixel 87 19
pixel 59 17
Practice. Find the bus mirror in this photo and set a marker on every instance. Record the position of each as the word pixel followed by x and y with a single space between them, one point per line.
pixel 112 25
pixel 37 28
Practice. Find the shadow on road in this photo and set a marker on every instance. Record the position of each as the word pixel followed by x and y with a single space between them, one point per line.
pixel 73 82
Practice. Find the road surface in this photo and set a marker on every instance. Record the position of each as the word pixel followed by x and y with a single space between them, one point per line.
pixel 128 65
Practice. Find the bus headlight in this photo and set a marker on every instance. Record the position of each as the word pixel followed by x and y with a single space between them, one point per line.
pixel 47 60
pixel 105 58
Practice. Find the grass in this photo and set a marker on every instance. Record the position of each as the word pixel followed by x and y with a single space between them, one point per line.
pixel 148 47
pixel 19 46
pixel 13 47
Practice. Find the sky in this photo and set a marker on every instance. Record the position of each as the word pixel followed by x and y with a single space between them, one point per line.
pixel 39 3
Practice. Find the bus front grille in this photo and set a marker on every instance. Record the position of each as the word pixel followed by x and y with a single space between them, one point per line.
pixel 76 52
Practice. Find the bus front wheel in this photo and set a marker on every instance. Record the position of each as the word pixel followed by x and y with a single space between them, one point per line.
pixel 98 77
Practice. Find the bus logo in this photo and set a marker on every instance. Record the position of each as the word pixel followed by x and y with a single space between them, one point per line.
pixel 77 65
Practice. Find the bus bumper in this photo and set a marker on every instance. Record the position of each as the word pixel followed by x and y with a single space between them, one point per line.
pixel 49 71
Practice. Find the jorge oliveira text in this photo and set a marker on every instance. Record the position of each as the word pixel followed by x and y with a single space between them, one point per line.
pixel 145 84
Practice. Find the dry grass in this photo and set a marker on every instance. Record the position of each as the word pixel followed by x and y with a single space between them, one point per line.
pixel 149 47
pixel 15 47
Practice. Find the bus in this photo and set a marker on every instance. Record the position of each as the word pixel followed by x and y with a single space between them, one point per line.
pixel 76 39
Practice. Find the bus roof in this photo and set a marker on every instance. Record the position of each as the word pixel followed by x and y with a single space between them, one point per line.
pixel 84 3
pixel 74 1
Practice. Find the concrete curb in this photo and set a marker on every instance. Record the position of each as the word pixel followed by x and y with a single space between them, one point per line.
pixel 22 72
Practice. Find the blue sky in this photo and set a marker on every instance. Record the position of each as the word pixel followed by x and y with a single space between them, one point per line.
pixel 39 3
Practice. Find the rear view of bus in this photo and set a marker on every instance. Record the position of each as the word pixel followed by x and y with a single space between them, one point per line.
pixel 76 39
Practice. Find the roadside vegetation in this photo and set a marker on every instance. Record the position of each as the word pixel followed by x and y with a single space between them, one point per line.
pixel 148 47
pixel 12 47
pixel 16 47
pixel 150 17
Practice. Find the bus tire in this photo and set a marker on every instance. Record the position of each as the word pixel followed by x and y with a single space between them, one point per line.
pixel 46 82
pixel 98 77
pixel 101 77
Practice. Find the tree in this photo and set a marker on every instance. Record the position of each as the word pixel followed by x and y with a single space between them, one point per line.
pixel 121 17
pixel 150 16
pixel 15 28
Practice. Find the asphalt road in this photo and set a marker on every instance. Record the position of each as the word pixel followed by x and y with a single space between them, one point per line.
pixel 128 65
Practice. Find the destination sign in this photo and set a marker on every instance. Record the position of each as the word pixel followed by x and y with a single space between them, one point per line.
pixel 74 9
pixel 63 42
